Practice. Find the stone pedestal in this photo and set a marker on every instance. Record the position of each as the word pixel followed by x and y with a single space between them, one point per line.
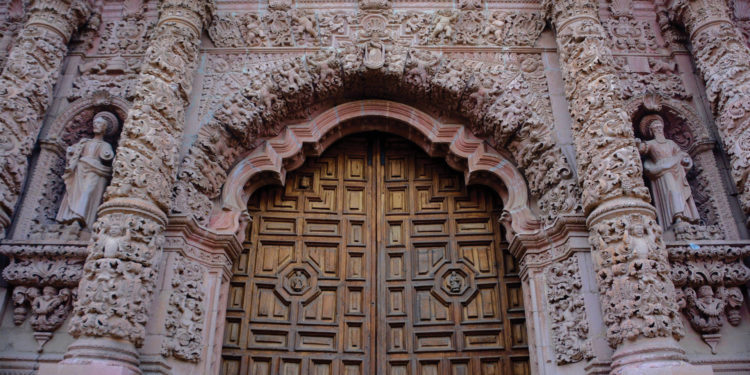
pixel 656 356
pixel 96 356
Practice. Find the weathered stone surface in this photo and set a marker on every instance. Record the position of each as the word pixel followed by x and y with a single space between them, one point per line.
pixel 541 102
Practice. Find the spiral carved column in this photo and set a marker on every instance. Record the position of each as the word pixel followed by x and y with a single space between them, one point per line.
pixel 120 273
pixel 636 293
pixel 723 59
pixel 26 85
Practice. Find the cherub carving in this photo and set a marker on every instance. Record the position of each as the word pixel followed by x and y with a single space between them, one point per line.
pixel 306 25
pixel 442 24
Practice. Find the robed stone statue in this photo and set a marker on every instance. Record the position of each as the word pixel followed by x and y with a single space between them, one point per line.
pixel 666 166
pixel 87 172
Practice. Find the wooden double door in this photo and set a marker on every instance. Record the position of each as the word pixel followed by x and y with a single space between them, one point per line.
pixel 375 259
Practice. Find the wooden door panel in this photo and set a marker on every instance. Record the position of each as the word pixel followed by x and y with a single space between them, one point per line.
pixel 375 259
pixel 441 272
pixel 300 302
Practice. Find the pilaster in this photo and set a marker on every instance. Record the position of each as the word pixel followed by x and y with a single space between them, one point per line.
pixel 632 270
pixel 120 274
pixel 26 85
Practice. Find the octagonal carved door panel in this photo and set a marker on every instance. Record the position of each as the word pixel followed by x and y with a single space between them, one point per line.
pixel 375 259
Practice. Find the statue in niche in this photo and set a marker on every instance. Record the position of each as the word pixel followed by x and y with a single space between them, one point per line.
pixel 87 172
pixel 666 166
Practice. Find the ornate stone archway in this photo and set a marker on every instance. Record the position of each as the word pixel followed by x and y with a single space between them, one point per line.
pixel 191 207
pixel 273 157
pixel 285 152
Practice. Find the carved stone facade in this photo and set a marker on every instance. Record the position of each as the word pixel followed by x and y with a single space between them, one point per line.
pixel 546 103
pixel 570 326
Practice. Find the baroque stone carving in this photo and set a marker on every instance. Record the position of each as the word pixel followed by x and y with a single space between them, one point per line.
pixel 307 28
pixel 666 165
pixel 87 172
pixel 636 292
pixel 570 326
pixel 708 278
pixel 128 236
pixel 633 274
pixel 27 80
pixel 45 276
pixel 723 59
pixel 185 315
pixel 628 34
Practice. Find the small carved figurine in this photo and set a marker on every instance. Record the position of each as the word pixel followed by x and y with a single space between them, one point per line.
pixel 297 282
pixel 442 24
pixel 454 282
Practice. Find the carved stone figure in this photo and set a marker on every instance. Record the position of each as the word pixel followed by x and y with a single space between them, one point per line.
pixel 87 173
pixel 374 54
pixel 666 166
pixel 49 310
pixel 298 281
pixel 442 24
pixel 455 282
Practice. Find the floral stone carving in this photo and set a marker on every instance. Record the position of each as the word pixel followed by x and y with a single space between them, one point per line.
pixel 723 59
pixel 708 278
pixel 26 83
pixel 636 292
pixel 570 326
pixel 45 277
pixel 185 315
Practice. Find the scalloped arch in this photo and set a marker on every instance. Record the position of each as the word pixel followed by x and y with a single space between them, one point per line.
pixel 678 108
pixel 271 160
pixel 98 99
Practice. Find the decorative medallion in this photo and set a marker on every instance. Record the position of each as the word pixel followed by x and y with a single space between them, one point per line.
pixel 455 281
pixel 297 281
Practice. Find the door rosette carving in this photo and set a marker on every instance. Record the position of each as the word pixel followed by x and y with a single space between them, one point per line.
pixel 298 280
pixel 455 281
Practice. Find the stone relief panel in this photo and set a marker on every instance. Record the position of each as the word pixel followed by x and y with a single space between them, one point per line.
pixel 185 313
pixel 45 278
pixel 324 28
pixel 569 323
pixel 11 22
pixel 631 35
pixel 515 86
pixel 708 278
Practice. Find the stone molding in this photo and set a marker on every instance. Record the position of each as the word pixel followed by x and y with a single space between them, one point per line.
pixel 461 150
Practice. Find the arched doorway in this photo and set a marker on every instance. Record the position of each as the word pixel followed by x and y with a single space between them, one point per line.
pixel 375 258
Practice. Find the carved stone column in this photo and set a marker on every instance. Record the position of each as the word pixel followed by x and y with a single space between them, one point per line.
pixel 723 59
pixel 120 273
pixel 636 293
pixel 26 85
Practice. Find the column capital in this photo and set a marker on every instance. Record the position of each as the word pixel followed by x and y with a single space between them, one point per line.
pixel 63 17
pixel 565 12
pixel 196 14
pixel 696 15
